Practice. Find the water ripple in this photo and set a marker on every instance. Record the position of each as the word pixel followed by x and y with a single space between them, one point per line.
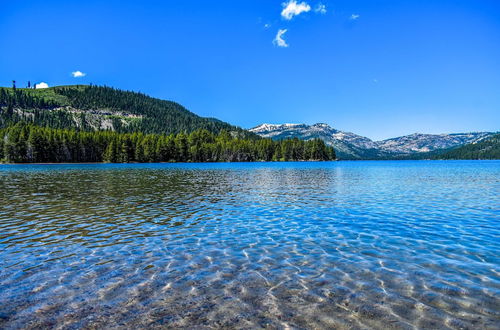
pixel 398 245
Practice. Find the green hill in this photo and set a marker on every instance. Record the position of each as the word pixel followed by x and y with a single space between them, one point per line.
pixel 486 149
pixel 96 108
pixel 103 124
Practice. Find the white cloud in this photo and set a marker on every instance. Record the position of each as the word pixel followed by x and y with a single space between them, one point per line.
pixel 278 40
pixel 354 17
pixel 320 9
pixel 41 85
pixel 292 8
pixel 78 74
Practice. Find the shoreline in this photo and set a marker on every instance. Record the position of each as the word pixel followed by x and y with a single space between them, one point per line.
pixel 291 161
pixel 104 163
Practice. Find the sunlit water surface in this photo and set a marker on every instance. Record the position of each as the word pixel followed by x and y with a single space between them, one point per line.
pixel 303 245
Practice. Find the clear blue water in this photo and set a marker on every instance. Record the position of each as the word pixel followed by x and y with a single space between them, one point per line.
pixel 409 244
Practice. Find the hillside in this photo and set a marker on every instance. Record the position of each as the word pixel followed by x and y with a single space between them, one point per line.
pixel 347 145
pixel 485 149
pixel 352 146
pixel 94 108
pixel 422 143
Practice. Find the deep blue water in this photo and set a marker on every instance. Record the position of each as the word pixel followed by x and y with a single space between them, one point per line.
pixel 403 244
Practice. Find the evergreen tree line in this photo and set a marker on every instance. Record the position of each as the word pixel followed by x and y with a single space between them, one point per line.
pixel 27 143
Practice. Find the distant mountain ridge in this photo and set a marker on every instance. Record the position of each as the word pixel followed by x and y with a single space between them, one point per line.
pixel 98 108
pixel 352 146
pixel 488 148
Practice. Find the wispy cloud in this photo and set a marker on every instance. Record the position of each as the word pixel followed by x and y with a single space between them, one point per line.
pixel 41 85
pixel 78 74
pixel 320 9
pixel 292 8
pixel 354 17
pixel 278 40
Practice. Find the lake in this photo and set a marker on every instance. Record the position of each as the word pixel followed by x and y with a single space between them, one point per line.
pixel 382 244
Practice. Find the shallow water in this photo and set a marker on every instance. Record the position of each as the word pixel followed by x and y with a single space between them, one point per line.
pixel 303 245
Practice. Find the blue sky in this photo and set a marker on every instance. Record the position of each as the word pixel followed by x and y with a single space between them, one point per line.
pixel 380 68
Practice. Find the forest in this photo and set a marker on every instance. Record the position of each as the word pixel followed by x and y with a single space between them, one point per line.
pixel 28 143
pixel 86 108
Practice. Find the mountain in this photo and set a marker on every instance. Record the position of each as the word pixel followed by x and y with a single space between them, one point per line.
pixel 417 143
pixel 102 124
pixel 352 146
pixel 488 148
pixel 347 145
pixel 96 108
pixel 93 108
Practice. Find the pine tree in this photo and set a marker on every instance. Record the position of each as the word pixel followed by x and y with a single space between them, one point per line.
pixel 110 155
